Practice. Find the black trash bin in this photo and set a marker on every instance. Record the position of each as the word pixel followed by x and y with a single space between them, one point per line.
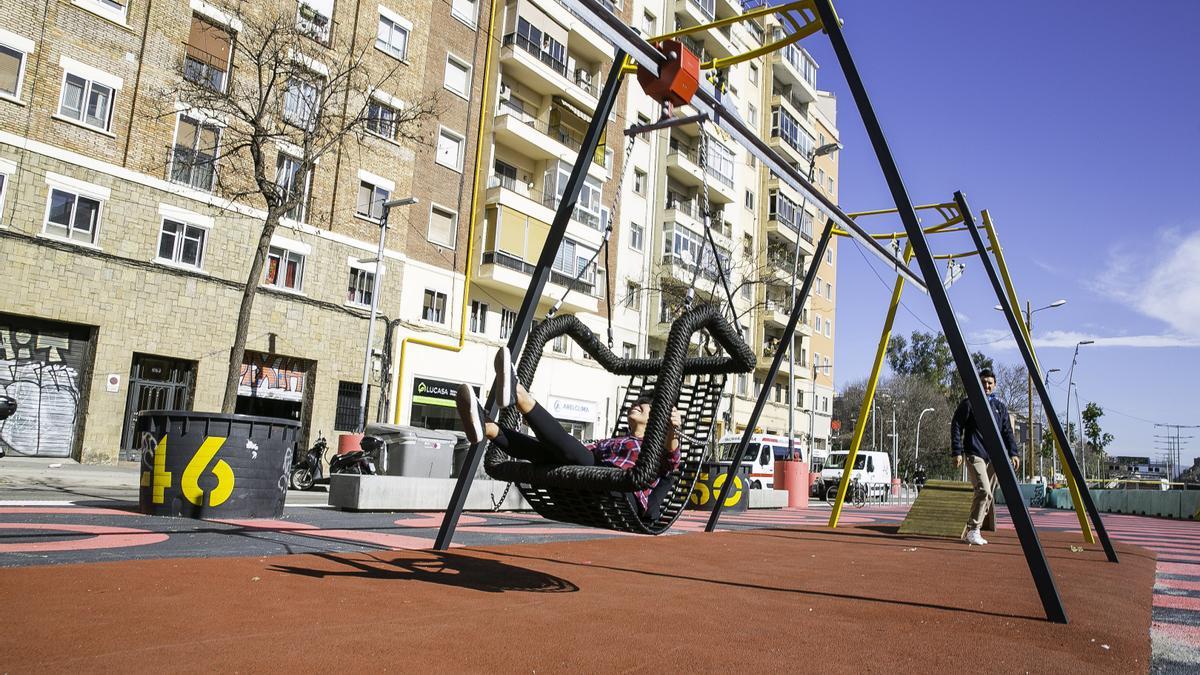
pixel 213 465
pixel 710 486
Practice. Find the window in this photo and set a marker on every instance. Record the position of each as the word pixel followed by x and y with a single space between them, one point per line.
pixel 742 384
pixel 381 119
pixel 749 200
pixel 3 186
pixel 300 104
pixel 752 118
pixel 346 417
pixel 73 216
pixel 628 350
pixel 113 10
pixel 370 200
pixel 828 328
pixel 631 295
pixel 778 392
pixel 649 25
pixel 361 287
pixel 608 163
pixel 193 159
pixel 285 269
pixel 828 291
pixel 13 49
pixel 442 226
pixel 719 163
pixel 636 235
pixel 559 345
pixel 829 184
pixel 449 149
pixel 829 256
pixel 466 10
pixel 507 319
pixel 181 243
pixel 293 181
pixel 434 308
pixel 206 55
pixel 86 101
pixel 479 314
pixel 392 37
pixel 313 18
pixel 753 74
pixel 458 76
pixel 639 182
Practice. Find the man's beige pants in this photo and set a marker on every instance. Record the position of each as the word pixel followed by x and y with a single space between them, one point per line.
pixel 984 480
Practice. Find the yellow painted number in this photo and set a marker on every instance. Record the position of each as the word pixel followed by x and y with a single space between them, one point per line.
pixel 191 474
pixel 160 479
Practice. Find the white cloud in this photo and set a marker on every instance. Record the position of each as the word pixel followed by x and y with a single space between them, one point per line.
pixel 1001 339
pixel 1164 285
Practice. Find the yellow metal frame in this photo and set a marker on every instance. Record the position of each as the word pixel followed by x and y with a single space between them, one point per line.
pixel 485 124
pixel 805 8
pixel 951 217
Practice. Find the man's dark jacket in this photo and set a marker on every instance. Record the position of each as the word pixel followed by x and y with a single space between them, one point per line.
pixel 964 424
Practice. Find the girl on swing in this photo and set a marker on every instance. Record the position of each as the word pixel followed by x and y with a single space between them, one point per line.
pixel 551 444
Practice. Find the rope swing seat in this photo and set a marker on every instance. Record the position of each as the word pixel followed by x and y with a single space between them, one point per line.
pixel 602 496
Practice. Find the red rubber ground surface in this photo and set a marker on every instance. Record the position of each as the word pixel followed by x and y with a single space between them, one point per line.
pixel 858 599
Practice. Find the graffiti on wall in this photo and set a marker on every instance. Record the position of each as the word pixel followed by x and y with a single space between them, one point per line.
pixel 272 376
pixel 42 371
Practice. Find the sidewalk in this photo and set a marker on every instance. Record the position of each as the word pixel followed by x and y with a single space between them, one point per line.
pixel 50 479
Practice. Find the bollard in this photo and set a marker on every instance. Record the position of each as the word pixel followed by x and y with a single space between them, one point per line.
pixel 796 473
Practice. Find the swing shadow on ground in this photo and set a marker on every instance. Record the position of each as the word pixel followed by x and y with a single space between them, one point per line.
pixel 434 567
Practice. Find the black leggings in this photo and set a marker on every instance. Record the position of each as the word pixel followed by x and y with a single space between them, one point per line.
pixel 552 445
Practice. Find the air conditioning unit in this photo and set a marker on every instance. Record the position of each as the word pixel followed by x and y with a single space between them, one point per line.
pixel 505 92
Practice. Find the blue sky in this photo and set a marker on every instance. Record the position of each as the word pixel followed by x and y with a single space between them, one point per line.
pixel 1077 125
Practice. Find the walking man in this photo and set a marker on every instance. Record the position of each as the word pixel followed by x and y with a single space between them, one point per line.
pixel 965 439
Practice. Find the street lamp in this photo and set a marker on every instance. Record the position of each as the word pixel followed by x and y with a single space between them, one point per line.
pixel 1071 382
pixel 1054 455
pixel 917 448
pixel 383 223
pixel 1029 312
pixel 812 163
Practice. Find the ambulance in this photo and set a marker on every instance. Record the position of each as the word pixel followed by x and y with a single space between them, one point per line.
pixel 760 456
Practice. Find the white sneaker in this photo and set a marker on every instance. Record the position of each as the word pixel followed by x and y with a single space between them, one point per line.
pixel 505 386
pixel 470 412
pixel 974 538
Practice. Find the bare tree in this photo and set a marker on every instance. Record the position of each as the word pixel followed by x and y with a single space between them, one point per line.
pixel 296 91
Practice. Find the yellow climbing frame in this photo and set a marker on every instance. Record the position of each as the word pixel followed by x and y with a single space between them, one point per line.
pixel 950 218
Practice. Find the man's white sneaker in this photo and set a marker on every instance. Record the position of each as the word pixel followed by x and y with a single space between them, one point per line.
pixel 974 538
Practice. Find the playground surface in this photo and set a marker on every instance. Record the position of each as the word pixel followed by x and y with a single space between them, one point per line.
pixel 92 585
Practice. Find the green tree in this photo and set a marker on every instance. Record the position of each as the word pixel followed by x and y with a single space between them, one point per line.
pixel 1098 440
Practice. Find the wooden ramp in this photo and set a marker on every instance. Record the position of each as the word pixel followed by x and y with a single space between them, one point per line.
pixel 942 510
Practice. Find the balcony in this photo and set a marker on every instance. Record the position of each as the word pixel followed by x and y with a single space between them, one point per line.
pixel 522 198
pixel 510 274
pixel 537 139
pixel 547 75
pixel 683 164
pixel 719 41
pixel 795 68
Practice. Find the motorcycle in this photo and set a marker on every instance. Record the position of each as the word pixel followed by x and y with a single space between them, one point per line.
pixel 306 467
pixel 361 461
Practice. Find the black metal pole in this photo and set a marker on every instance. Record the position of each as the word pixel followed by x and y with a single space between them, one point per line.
pixel 780 352
pixel 541 274
pixel 1031 364
pixel 1039 568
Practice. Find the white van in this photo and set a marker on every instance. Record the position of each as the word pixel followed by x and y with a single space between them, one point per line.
pixel 870 467
pixel 760 457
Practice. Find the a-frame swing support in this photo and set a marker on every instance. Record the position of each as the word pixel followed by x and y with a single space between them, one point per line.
pixel 626 40
pixel 1031 364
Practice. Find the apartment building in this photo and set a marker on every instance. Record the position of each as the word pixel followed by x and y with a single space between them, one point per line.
pixel 123 258
pixel 129 261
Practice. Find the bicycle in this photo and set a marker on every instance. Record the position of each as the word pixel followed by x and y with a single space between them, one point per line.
pixel 856 493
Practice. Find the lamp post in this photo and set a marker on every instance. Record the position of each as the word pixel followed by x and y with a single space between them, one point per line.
pixel 1029 312
pixel 366 378
pixel 917 447
pixel 812 410
pixel 1054 456
pixel 1071 382
pixel 812 163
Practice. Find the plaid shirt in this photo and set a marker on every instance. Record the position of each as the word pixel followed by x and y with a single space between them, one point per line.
pixel 623 453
